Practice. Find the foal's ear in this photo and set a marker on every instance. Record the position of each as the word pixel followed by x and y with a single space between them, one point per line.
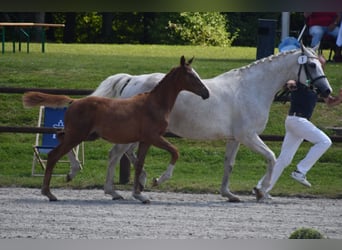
pixel 190 61
pixel 182 61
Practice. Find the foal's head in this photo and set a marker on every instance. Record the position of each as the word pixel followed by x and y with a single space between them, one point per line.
pixel 188 79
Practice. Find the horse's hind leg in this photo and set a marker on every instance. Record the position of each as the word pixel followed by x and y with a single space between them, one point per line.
pixel 232 148
pixel 114 155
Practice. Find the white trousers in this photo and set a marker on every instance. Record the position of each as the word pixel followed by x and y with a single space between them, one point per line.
pixel 339 37
pixel 297 130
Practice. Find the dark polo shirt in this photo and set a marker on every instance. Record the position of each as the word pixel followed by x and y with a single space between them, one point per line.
pixel 303 101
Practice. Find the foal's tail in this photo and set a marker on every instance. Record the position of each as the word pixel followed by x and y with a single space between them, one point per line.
pixel 32 99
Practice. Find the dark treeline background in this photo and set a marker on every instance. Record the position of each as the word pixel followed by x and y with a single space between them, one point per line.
pixel 204 28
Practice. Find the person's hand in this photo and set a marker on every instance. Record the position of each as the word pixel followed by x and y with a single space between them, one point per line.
pixel 322 60
pixel 291 85
pixel 332 26
pixel 340 94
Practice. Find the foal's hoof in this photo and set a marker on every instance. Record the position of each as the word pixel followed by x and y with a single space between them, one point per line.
pixel 49 195
pixel 259 194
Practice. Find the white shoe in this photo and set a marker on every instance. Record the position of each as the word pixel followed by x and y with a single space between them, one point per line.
pixel 298 176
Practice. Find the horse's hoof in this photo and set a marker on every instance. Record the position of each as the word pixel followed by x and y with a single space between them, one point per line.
pixel 231 197
pixel 68 178
pixel 154 182
pixel 146 201
pixel 234 199
pixel 142 198
pixel 115 195
pixel 48 194
pixel 258 194
pixel 118 197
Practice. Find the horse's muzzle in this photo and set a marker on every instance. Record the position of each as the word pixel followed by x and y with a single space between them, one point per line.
pixel 325 93
pixel 205 94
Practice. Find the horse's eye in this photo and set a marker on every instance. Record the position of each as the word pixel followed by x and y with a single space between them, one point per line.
pixel 312 65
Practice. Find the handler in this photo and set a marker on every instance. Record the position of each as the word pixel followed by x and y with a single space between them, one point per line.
pixel 298 127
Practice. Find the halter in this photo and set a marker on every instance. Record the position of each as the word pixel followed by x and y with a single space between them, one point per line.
pixel 303 63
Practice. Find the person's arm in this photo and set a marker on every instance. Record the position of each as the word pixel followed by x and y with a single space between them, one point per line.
pixel 336 22
pixel 334 100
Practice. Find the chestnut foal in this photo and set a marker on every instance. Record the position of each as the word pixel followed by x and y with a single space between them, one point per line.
pixel 142 118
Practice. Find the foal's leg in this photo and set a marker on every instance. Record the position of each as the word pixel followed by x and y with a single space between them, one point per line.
pixel 133 159
pixel 75 164
pixel 142 151
pixel 53 157
pixel 164 144
pixel 232 148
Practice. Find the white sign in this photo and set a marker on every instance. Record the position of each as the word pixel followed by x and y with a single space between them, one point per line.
pixel 302 59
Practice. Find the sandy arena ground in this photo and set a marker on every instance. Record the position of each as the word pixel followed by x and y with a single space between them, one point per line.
pixel 89 214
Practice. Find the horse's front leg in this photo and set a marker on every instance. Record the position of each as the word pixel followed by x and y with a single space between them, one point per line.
pixel 257 145
pixel 164 144
pixel 232 148
pixel 137 189
pixel 114 155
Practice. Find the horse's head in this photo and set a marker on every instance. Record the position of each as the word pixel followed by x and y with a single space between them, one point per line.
pixel 190 80
pixel 311 71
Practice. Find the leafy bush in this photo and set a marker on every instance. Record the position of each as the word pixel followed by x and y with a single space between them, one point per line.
pixel 306 233
pixel 206 28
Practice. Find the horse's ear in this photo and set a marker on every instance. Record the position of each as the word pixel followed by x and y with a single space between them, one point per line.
pixel 190 61
pixel 302 46
pixel 182 61
pixel 316 47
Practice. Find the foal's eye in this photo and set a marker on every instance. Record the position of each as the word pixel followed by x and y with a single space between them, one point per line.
pixel 312 65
